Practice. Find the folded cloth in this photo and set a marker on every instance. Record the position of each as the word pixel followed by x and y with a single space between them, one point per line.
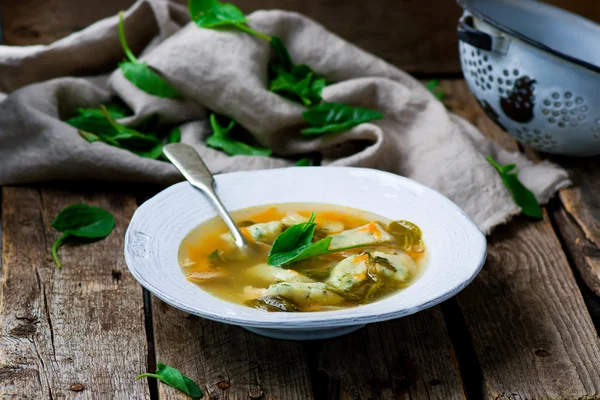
pixel 225 71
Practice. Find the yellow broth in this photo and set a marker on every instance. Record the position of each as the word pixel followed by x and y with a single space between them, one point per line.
pixel 230 275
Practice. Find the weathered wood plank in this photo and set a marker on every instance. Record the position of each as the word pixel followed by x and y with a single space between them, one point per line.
pixel 410 357
pixel 387 28
pixel 44 21
pixel 226 361
pixel 71 333
pixel 531 331
pixel 582 203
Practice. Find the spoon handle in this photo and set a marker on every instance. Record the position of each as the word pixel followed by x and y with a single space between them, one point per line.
pixel 191 166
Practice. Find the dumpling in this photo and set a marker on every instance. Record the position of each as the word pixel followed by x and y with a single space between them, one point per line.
pixel 349 273
pixel 272 274
pixel 265 232
pixel 303 293
pixel 365 235
pixel 401 263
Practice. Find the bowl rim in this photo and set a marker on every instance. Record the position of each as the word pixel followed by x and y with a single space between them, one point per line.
pixel 312 320
pixel 465 4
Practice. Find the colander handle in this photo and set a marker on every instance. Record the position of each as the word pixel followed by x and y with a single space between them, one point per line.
pixel 476 38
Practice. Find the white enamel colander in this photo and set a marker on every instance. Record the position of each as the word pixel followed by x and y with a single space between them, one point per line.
pixel 535 70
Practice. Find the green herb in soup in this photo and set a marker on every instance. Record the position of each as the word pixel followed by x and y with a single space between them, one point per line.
pixel 307 257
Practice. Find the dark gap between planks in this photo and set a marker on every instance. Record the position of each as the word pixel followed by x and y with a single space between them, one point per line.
pixel 319 381
pixel 592 302
pixel 470 371
pixel 141 195
pixel 0 188
pixel 151 358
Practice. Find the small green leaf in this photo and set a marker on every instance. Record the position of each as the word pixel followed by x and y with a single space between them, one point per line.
pixel 299 84
pixel 303 162
pixel 174 136
pixel 223 139
pixel 282 56
pixel 139 74
pixel 335 117
pixel 301 253
pixel 92 120
pixel 295 236
pixel 214 14
pixel 172 377
pixel 434 87
pixel 80 220
pixel 235 148
pixel 522 196
pixel 145 79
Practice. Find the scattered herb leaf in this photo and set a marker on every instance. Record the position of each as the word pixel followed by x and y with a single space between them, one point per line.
pixel 123 134
pixel 407 235
pixel 215 257
pixel 303 162
pixel 172 377
pixel 273 304
pixel 214 14
pixel 282 56
pixel 223 139
pixel 336 117
pixel 299 84
pixel 174 136
pixel 295 244
pixel 80 220
pixel 92 120
pixel 522 196
pixel 139 74
pixel 99 125
pixel 434 87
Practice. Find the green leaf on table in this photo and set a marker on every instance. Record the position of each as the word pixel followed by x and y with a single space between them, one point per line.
pixel 224 138
pixel 139 74
pixel 80 220
pixel 336 117
pixel 214 14
pixel 434 87
pixel 522 196
pixel 299 84
pixel 303 162
pixel 172 377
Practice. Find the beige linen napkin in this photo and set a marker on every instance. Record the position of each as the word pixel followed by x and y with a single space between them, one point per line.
pixel 226 72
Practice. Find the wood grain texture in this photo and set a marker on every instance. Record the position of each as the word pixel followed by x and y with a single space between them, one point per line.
pixel 530 328
pixel 226 361
pixel 409 358
pixel 71 333
pixel 582 203
pixel 417 36
pixel 30 22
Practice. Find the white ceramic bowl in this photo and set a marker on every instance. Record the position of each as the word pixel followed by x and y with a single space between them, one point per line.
pixel 457 248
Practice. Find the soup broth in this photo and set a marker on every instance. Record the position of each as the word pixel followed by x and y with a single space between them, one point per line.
pixel 304 257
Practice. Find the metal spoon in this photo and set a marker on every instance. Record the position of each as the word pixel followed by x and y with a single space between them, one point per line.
pixel 191 166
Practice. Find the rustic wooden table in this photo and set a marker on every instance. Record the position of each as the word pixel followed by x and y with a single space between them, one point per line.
pixel 524 329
